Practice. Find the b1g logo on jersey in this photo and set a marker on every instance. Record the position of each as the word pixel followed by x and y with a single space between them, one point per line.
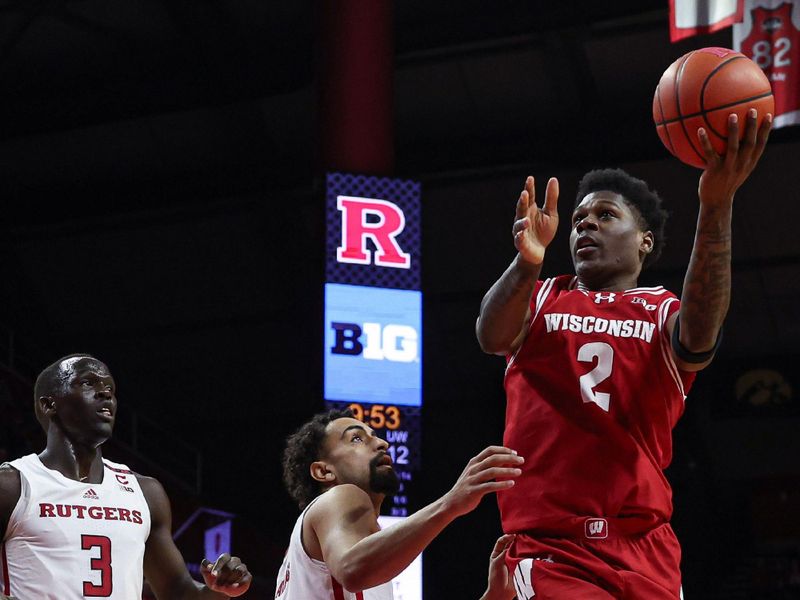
pixel 393 342
pixel 643 302
pixel 124 484
pixel 379 221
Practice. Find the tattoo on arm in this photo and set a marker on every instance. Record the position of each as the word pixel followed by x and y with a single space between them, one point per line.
pixel 707 287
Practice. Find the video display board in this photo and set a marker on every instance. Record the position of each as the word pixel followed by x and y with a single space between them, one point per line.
pixel 373 315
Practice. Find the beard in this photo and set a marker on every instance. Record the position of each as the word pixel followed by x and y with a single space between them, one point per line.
pixel 382 481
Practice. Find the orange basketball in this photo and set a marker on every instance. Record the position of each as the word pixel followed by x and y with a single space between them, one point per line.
pixel 701 89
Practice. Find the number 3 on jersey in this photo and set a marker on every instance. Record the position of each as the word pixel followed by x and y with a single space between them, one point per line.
pixel 605 361
pixel 101 563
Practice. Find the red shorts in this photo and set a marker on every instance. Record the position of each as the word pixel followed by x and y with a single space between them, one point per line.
pixel 597 565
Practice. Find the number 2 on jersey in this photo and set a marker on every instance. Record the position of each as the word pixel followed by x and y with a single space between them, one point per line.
pixel 605 361
pixel 102 564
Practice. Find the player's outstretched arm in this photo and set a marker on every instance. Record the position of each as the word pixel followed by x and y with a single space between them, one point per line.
pixel 500 585
pixel 165 568
pixel 505 307
pixel 707 286
pixel 360 556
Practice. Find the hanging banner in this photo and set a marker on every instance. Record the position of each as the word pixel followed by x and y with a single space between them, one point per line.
pixel 770 35
pixel 693 17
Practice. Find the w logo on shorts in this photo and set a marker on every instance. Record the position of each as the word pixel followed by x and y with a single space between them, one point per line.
pixel 523 579
pixel 596 529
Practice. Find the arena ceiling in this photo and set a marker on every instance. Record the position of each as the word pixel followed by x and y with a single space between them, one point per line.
pixel 115 99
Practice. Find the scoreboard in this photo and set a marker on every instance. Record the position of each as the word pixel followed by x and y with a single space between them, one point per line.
pixel 373 315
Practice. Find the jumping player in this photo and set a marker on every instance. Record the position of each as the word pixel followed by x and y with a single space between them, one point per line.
pixel 598 371
pixel 338 472
pixel 78 526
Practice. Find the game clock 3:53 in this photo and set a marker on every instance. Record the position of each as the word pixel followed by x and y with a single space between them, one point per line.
pixel 377 416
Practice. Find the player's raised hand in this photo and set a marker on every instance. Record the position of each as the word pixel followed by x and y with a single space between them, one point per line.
pixel 534 227
pixel 228 575
pixel 490 471
pixel 724 174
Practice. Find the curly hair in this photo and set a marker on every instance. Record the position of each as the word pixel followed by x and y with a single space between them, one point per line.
pixel 303 448
pixel 637 194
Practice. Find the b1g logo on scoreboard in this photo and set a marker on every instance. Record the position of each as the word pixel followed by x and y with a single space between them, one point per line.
pixel 373 303
pixel 372 345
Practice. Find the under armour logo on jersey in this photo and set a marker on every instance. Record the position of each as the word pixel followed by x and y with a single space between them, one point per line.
pixel 596 529
pixel 643 302
pixel 91 494
pixel 608 298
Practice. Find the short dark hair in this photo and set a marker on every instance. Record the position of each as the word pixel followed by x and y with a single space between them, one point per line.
pixel 304 447
pixel 637 194
pixel 48 382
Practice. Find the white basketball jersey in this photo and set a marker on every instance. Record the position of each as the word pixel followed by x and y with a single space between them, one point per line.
pixel 68 540
pixel 303 578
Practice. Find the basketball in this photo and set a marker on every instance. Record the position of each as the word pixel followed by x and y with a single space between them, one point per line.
pixel 701 89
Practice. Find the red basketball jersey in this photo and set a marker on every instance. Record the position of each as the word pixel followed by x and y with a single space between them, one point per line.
pixel 593 395
pixel 771 37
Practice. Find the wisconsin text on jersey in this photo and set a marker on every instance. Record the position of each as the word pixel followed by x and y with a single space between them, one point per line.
pixel 615 327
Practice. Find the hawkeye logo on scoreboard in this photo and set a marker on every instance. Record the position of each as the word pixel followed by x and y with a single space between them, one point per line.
pixel 372 345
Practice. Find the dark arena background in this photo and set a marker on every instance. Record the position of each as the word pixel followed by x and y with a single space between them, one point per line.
pixel 163 167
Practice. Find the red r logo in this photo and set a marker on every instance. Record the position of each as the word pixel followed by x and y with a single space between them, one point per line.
pixel 383 233
pixel 122 479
